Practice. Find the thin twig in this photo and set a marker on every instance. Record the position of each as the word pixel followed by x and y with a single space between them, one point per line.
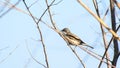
pixel 33 57
pixel 94 55
pixel 4 5
pixel 50 15
pixel 33 3
pixel 29 11
pixel 9 54
pixel 27 63
pixel 10 8
pixel 58 2
pixel 77 56
pixel 45 12
pixel 4 48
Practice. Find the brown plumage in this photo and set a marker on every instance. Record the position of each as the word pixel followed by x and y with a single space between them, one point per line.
pixel 72 39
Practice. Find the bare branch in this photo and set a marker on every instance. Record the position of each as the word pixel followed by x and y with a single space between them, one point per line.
pixel 33 3
pixel 50 15
pixel 100 20
pixel 3 48
pixel 95 55
pixel 58 2
pixel 40 34
pixel 109 45
pixel 45 11
pixel 103 34
pixel 118 4
pixel 33 57
pixel 9 54
pixel 115 41
pixel 11 7
pixel 77 56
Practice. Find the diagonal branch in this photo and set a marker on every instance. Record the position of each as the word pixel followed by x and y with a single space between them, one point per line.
pixel 11 7
pixel 50 15
pixel 116 2
pixel 115 42
pixel 109 44
pixel 33 57
pixel 40 33
pixel 103 34
pixel 100 20
pixel 45 11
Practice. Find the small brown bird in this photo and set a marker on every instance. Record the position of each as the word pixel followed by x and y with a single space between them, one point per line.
pixel 72 39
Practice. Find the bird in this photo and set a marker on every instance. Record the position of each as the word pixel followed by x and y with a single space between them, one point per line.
pixel 73 39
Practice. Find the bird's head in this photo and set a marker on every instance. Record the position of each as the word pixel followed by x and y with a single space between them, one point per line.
pixel 66 30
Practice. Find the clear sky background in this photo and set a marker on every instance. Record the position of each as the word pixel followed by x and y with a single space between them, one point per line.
pixel 17 29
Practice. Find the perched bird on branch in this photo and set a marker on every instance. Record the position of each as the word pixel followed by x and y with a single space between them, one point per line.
pixel 72 39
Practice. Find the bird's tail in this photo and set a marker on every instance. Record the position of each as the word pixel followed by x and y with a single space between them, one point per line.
pixel 88 46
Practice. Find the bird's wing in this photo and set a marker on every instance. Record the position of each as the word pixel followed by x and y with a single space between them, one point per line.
pixel 73 36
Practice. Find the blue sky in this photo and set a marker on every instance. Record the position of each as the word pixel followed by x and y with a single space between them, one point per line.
pixel 17 28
